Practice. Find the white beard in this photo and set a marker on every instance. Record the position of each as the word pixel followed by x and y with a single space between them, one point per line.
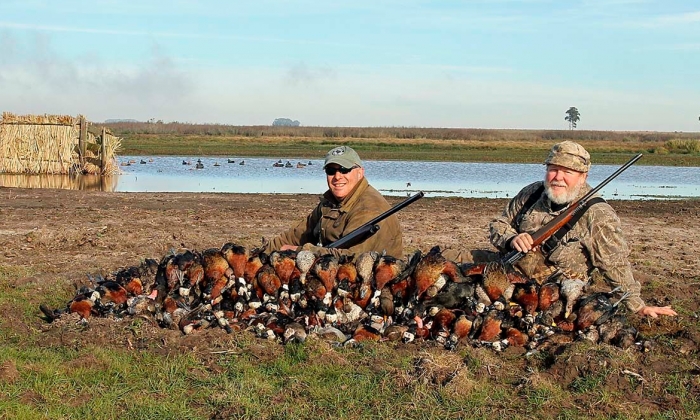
pixel 565 197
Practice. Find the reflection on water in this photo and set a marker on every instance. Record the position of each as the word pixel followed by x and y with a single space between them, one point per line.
pixel 397 178
pixel 62 182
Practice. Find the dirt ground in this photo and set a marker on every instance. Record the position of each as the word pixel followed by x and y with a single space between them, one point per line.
pixel 59 236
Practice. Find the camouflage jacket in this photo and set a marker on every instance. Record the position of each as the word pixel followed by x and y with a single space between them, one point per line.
pixel 331 220
pixel 596 241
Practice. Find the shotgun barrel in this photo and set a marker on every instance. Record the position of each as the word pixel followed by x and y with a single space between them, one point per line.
pixel 371 227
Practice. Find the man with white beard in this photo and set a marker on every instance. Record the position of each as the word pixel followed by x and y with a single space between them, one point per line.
pixel 594 242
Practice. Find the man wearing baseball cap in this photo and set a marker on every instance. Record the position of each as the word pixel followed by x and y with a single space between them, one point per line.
pixel 349 203
pixel 594 242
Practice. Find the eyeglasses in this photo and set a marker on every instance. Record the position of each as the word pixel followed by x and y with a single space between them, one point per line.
pixel 331 170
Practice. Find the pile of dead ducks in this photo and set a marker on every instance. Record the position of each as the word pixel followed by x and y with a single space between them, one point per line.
pixel 288 295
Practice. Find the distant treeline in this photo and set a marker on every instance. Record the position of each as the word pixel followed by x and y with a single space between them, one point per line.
pixel 125 129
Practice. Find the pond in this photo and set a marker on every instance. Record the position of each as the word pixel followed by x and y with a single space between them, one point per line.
pixel 397 178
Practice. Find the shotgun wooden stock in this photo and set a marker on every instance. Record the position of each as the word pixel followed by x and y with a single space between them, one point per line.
pixel 546 231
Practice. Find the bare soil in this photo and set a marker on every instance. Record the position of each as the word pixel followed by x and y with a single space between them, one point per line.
pixel 58 237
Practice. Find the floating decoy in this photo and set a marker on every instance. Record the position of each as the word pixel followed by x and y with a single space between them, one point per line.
pixel 143 162
pixel 288 164
pixel 300 165
pixel 216 164
pixel 242 162
pixel 231 161
pixel 199 165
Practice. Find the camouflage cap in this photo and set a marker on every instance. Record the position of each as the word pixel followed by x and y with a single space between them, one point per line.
pixel 569 155
pixel 344 156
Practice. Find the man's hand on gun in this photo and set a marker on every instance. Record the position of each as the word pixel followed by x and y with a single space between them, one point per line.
pixel 522 242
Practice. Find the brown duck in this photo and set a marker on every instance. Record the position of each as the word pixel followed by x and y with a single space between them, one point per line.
pixel 433 271
pixel 237 257
pixel 284 263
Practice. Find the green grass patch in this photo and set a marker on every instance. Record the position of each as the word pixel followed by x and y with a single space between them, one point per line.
pixel 495 146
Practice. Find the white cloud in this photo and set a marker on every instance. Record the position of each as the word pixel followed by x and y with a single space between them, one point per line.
pixel 673 21
pixel 34 79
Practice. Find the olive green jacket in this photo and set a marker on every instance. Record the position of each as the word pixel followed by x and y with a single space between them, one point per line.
pixel 331 220
pixel 595 241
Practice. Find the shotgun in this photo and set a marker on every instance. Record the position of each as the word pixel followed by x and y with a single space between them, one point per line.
pixel 546 231
pixel 371 227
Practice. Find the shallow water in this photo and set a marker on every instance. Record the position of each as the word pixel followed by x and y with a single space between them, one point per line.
pixel 446 179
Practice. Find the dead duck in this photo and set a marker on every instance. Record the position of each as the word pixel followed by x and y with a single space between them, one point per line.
pixel 387 269
pixel 304 261
pixel 326 269
pixel 347 275
pixel 460 330
pixel 285 265
pixel 527 295
pixel 571 290
pixel 595 309
pixel 432 273
pixel 237 257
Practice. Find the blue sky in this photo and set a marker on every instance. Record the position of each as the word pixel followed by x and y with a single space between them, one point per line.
pixel 625 64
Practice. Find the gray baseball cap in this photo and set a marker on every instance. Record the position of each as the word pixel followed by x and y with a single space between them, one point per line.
pixel 569 155
pixel 344 156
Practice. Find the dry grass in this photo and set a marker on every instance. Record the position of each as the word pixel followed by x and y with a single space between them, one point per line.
pixel 48 144
pixel 86 183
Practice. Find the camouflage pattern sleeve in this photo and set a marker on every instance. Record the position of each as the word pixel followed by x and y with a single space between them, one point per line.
pixel 501 229
pixel 609 252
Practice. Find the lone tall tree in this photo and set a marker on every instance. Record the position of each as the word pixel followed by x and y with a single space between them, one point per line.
pixel 572 116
